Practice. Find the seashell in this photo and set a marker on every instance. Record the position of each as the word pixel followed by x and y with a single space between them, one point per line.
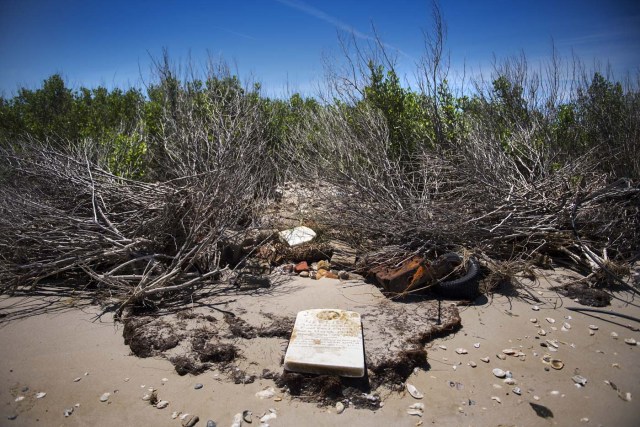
pixel 550 320
pixel 105 397
pixel 419 406
pixel 535 308
pixel 584 420
pixel 501 356
pixel 509 381
pixel 40 395
pixel 414 392
pixel 508 374
pixel 68 412
pixel 542 332
pixel 175 414
pixel 536 397
pixel 237 420
pixel 246 416
pixel 198 386
pixel 485 359
pixel 630 341
pixel 579 380
pixel 339 407
pixel 191 421
pixel 552 343
pixel 592 333
pixel 442 347
pixel 517 391
pixel 277 399
pixel 473 364
pixel 162 404
pixel 415 412
pixel 554 393
pixel 477 345
pixel 265 394
pixel 184 416
pixel 77 379
pixel 533 320
pixel 146 397
pixel 593 327
pixel 557 364
pixel 126 380
pixel 496 398
pixel 566 325
pixel 509 351
pixel 211 423
pixel 614 335
pixel 268 417
pixel 499 373
pixel 461 351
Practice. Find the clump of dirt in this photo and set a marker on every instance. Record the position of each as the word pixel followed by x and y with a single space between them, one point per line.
pixel 147 337
pixel 218 352
pixel 585 294
pixel 185 365
pixel 326 390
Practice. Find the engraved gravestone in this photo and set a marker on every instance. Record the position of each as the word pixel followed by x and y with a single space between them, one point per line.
pixel 326 341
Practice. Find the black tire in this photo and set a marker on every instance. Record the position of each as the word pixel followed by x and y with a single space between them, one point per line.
pixel 465 287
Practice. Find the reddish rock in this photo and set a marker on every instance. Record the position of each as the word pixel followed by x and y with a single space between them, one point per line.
pixel 301 266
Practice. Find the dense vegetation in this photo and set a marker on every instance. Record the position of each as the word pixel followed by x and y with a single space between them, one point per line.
pixel 138 190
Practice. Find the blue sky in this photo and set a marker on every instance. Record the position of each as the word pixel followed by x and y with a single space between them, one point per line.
pixel 281 42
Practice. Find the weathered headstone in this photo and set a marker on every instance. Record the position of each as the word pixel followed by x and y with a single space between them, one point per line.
pixel 326 341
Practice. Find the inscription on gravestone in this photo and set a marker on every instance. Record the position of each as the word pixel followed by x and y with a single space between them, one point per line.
pixel 326 341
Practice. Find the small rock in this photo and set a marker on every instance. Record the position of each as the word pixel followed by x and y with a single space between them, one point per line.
pixel 162 404
pixel 105 397
pixel 485 359
pixel 190 420
pixel 68 412
pixel 301 266
pixel 499 373
pixel 40 395
pixel 533 320
pixel 198 386
pixel 542 332
pixel 339 407
pixel 473 364
pixel 509 351
pixel 550 320
pixel 343 275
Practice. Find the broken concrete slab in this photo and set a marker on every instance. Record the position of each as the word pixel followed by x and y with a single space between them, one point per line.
pixel 326 342
pixel 298 235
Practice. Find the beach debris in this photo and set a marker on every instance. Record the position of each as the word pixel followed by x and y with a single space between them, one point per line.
pixel 105 397
pixel 297 235
pixel 162 404
pixel 509 351
pixel 339 408
pixel 267 393
pixel 472 364
pixel 12 417
pixel 542 332
pixel 19 398
pixel 211 423
pixel 566 325
pixel 461 351
pixel 146 397
pixel 164 380
pixel 579 380
pixel 614 335
pixel 624 396
pixel 442 347
pixel 592 333
pixel 496 398
pixel 541 411
pixel 246 416
pixel 304 274
pixel 271 415
pixel 509 381
pixel 417 409
pixel 535 308
pixel 533 320
pixel 77 379
pixel 68 412
pixel 40 395
pixel 552 343
pixel 198 386
pixel 593 327
pixel 485 359
pixel 501 356
pixel 554 393
pixel 630 341
pixel 175 414
pixel 191 420
pixel 476 345
pixel 414 391
pixel 517 391
pixel 557 364
pixel 550 320
pixel 584 420
pixel 499 373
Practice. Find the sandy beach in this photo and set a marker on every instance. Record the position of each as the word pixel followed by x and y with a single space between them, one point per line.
pixel 62 349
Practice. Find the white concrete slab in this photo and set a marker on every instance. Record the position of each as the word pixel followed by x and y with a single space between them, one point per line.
pixel 326 341
pixel 298 235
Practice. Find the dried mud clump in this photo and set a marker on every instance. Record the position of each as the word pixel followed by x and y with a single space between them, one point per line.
pixel 147 337
pixel 185 365
pixel 585 295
